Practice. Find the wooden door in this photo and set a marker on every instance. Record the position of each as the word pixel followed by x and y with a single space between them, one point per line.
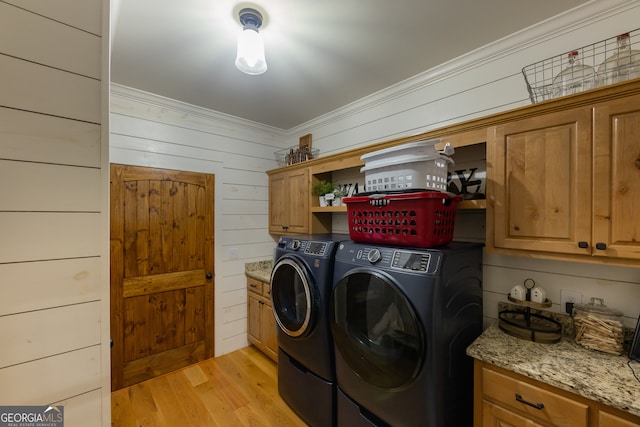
pixel 162 266
pixel 541 175
pixel 616 185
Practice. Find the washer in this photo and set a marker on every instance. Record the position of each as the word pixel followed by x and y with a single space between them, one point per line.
pixel 301 284
pixel 401 320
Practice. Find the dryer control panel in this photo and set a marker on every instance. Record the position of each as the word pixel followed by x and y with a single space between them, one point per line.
pixel 415 261
pixel 408 260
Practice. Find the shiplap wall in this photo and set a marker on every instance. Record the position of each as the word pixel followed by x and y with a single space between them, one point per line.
pixel 148 130
pixel 52 247
pixel 482 82
pixel 152 131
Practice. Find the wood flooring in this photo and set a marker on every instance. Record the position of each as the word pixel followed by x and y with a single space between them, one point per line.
pixel 236 389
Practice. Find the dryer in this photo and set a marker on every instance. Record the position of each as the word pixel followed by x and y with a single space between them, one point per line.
pixel 401 320
pixel 301 284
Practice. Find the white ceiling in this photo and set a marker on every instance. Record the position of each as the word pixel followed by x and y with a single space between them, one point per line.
pixel 321 54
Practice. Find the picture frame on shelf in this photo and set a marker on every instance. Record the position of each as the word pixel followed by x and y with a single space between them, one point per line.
pixel 305 142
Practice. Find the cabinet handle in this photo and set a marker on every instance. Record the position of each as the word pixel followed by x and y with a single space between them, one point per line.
pixel 583 245
pixel 538 405
pixel 601 246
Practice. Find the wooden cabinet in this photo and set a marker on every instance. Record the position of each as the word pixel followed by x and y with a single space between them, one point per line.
pixel 616 179
pixel 289 201
pixel 535 403
pixel 261 323
pixel 606 419
pixel 541 183
pixel 496 416
pixel 503 398
pixel 568 183
pixel 562 178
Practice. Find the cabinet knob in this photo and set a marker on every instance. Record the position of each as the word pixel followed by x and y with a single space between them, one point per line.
pixel 209 276
pixel 583 245
pixel 601 246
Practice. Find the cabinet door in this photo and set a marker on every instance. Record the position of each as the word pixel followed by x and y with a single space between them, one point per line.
pixel 269 336
pixel 541 191
pixel 289 202
pixel 495 416
pixel 297 200
pixel 609 420
pixel 254 312
pixel 278 218
pixel 616 223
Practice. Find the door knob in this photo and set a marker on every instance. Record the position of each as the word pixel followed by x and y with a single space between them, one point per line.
pixel 209 276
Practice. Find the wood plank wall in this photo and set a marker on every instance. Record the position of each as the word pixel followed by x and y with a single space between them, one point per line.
pixel 51 187
pixel 153 131
pixel 147 130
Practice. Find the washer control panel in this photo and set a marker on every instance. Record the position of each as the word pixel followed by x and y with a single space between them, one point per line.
pixel 315 248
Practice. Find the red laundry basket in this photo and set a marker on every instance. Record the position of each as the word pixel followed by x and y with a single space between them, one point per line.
pixel 421 219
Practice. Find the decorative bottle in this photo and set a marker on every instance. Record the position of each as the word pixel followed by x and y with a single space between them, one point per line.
pixel 622 65
pixel 576 77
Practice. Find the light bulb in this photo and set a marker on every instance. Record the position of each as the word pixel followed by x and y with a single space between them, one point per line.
pixel 250 57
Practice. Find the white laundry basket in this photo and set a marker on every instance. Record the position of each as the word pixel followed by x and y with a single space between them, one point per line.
pixel 416 165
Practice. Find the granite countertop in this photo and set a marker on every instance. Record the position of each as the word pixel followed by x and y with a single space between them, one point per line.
pixel 260 270
pixel 598 376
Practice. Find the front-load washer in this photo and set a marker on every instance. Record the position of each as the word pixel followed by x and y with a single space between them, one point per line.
pixel 301 284
pixel 401 320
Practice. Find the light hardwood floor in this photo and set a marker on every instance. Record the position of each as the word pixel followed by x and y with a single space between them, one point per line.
pixel 236 389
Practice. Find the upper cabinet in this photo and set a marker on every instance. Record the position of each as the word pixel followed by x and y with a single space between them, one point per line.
pixel 540 182
pixel 289 201
pixel 616 179
pixel 567 183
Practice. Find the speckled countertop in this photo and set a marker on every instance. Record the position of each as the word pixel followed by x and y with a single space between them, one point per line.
pixel 598 376
pixel 260 270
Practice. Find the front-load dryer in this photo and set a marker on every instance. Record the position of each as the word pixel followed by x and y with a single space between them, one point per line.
pixel 402 319
pixel 301 284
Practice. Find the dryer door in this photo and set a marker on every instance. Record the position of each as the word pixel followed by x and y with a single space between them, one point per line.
pixel 376 330
pixel 294 297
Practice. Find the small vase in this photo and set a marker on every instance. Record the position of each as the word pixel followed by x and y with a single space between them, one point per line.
pixel 323 202
pixel 329 199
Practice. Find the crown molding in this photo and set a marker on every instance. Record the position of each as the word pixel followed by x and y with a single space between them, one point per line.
pixel 199 114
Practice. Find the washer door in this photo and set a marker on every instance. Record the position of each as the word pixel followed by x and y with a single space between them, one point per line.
pixel 293 296
pixel 376 330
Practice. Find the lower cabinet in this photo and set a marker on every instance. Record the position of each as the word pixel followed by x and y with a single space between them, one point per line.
pixel 261 323
pixel 506 399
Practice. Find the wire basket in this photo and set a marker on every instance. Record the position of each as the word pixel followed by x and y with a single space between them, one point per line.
pixel 539 76
pixel 295 154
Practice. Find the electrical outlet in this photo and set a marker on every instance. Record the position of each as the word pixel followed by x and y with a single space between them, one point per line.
pixel 566 296
pixel 233 253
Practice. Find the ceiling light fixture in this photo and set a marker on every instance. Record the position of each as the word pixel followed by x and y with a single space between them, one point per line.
pixel 250 58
